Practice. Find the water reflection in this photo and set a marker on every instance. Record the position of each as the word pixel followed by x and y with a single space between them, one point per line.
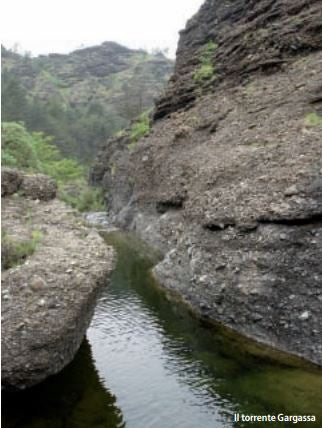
pixel 170 370
pixel 166 368
pixel 75 398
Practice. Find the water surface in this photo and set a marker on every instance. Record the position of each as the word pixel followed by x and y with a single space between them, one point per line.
pixel 151 364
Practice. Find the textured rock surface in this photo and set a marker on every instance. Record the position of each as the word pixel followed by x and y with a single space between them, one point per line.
pixel 11 180
pixel 48 301
pixel 38 186
pixel 252 37
pixel 33 186
pixel 228 183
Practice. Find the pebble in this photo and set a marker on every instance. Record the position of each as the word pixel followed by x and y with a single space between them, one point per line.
pixel 37 283
pixel 292 190
pixel 304 315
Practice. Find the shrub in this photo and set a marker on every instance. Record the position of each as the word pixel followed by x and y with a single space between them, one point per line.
pixel 14 252
pixel 204 72
pixel 206 69
pixel 313 119
pixel 34 152
pixel 82 197
pixel 17 147
pixel 139 129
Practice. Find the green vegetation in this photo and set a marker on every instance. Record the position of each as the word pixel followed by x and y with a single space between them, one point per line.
pixel 206 70
pixel 14 251
pixel 34 152
pixel 60 97
pixel 76 130
pixel 17 147
pixel 139 129
pixel 82 197
pixel 313 119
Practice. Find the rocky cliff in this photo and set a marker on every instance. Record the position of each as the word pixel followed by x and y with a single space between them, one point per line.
pixel 100 87
pixel 229 181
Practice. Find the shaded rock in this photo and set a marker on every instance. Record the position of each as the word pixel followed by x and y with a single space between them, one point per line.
pixel 39 186
pixel 226 193
pixel 11 180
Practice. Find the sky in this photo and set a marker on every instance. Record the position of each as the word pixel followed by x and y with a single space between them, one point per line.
pixel 60 26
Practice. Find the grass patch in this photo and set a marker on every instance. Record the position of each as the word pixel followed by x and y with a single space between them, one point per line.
pixel 203 73
pixel 15 252
pixel 140 128
pixel 206 69
pixel 82 197
pixel 313 119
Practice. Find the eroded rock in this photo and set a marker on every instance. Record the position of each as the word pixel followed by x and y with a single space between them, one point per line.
pixel 48 300
pixel 39 186
pixel 245 179
pixel 11 180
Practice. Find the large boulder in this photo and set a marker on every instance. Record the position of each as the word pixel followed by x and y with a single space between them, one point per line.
pixel 48 300
pixel 11 180
pixel 39 186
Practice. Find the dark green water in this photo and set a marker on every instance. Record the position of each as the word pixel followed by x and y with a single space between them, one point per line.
pixel 147 363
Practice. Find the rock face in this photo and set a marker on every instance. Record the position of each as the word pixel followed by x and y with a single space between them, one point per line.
pixel 229 183
pixel 10 181
pixel 39 186
pixel 49 299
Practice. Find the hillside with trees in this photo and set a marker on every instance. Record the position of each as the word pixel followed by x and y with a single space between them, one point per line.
pixel 82 98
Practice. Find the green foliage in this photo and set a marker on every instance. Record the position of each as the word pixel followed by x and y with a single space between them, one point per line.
pixel 205 70
pixel 139 129
pixel 14 251
pixel 313 119
pixel 208 50
pixel 14 102
pixel 203 73
pixel 40 92
pixel 51 161
pixel 17 147
pixel 35 152
pixel 82 197
pixel 76 131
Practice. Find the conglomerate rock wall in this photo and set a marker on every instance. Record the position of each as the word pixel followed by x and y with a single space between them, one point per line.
pixel 228 183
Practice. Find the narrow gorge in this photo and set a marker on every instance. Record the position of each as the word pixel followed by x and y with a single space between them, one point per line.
pixel 162 227
pixel 227 184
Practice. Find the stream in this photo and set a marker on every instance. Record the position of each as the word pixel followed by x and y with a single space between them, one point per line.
pixel 148 363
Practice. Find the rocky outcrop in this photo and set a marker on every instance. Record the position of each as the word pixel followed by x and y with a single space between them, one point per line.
pixel 49 298
pixel 38 186
pixel 249 37
pixel 228 182
pixel 11 181
pixel 33 186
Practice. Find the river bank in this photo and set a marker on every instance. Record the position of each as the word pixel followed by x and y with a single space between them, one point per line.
pixel 54 269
